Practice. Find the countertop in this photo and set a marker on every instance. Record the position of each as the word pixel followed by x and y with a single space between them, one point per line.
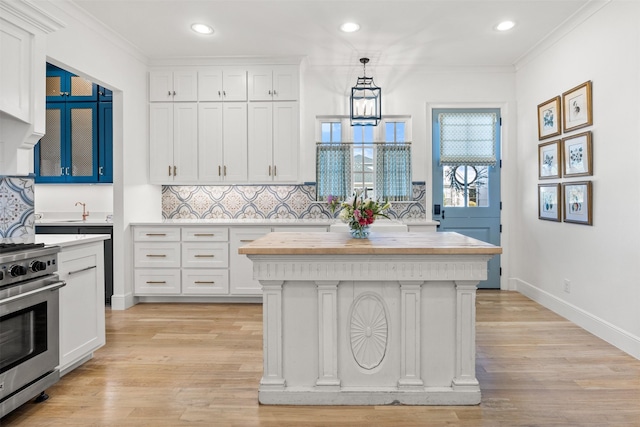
pixel 402 243
pixel 62 240
pixel 269 222
pixel 73 222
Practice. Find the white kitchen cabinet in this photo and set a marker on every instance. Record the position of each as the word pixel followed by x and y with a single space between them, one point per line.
pixel 82 315
pixel 205 282
pixel 222 84
pixel 23 33
pixel 241 280
pixel 273 141
pixel 222 142
pixel 173 85
pixel 156 281
pixel 274 83
pixel 173 138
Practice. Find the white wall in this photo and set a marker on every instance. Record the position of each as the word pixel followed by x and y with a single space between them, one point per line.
pixel 85 48
pixel 600 261
pixel 58 200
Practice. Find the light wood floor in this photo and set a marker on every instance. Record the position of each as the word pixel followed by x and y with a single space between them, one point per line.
pixel 199 365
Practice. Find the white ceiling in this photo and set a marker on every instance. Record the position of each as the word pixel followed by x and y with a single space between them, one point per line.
pixel 393 32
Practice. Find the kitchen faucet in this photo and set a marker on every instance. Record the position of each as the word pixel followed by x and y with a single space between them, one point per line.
pixel 85 214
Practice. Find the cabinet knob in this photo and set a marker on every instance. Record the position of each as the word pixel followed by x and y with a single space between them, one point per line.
pixel 269 92
pixel 224 92
pixel 274 92
pixel 169 93
pixel 219 94
pixel 174 93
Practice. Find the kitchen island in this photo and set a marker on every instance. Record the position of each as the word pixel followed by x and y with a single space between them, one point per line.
pixel 384 320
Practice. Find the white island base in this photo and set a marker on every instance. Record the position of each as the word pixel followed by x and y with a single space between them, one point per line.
pixel 377 322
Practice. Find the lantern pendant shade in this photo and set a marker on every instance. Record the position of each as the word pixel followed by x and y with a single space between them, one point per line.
pixel 365 101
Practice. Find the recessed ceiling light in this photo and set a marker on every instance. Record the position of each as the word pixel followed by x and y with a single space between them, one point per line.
pixel 505 25
pixel 202 28
pixel 349 27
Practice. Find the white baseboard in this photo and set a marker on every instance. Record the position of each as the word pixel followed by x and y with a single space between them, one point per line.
pixel 612 334
pixel 122 302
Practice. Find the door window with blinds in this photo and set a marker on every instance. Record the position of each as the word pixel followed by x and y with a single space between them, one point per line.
pixel 467 151
pixel 375 158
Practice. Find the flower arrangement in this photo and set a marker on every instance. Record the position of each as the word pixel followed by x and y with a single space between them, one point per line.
pixel 333 202
pixel 359 212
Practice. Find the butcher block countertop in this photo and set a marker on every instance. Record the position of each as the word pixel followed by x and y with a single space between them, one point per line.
pixel 435 243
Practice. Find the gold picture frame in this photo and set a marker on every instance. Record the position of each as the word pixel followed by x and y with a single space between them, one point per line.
pixel 578 202
pixel 549 206
pixel 549 118
pixel 549 160
pixel 577 155
pixel 577 107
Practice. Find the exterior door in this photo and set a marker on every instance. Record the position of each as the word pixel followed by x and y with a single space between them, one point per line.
pixel 466 197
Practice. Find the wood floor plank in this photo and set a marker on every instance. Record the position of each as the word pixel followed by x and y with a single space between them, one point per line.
pixel 169 365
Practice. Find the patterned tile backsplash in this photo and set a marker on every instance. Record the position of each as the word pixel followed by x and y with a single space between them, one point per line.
pixel 16 206
pixel 266 201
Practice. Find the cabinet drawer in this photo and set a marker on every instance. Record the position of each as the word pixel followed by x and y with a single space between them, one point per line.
pixel 205 255
pixel 157 255
pixel 204 234
pixel 156 234
pixel 205 282
pixel 157 282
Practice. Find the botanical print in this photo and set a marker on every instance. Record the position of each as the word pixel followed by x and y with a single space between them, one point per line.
pixel 577 108
pixel 549 120
pixel 576 156
pixel 549 204
pixel 549 161
pixel 575 200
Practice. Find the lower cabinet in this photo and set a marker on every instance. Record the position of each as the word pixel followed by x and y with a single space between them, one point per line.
pixel 82 322
pixel 198 260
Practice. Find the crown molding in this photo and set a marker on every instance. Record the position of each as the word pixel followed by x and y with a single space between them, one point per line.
pixel 32 15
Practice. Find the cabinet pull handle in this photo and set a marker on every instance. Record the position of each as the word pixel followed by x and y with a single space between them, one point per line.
pixel 156 234
pixel 174 93
pixel 204 282
pixel 155 282
pixel 175 170
pixel 156 256
pixel 219 94
pixel 225 170
pixel 269 170
pixel 204 234
pixel 274 92
pixel 274 170
pixel 204 256
pixel 224 92
pixel 219 172
pixel 169 170
pixel 246 240
pixel 169 93
pixel 66 170
pixel 82 269
pixel 61 171
pixel 269 92
pixel 100 171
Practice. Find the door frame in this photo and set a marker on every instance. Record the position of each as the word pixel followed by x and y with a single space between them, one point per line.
pixel 506 189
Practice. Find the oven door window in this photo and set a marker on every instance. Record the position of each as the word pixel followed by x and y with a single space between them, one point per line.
pixel 23 335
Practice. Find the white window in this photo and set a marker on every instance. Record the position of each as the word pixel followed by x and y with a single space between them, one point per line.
pixel 375 158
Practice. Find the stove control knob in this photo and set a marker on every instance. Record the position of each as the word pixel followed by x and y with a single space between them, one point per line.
pixel 38 266
pixel 17 270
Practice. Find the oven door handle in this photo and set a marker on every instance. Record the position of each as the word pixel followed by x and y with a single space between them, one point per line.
pixel 50 287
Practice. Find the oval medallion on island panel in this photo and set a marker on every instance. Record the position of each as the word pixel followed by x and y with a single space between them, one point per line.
pixel 369 331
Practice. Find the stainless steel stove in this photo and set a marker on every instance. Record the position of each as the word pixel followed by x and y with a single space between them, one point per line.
pixel 29 322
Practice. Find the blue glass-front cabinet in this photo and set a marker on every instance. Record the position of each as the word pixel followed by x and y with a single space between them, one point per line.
pixel 77 145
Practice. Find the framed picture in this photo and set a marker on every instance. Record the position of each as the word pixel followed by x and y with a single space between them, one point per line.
pixel 549 118
pixel 576 107
pixel 549 206
pixel 578 202
pixel 549 160
pixel 578 155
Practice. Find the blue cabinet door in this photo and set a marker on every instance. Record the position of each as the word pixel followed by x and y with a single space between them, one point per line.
pixel 105 146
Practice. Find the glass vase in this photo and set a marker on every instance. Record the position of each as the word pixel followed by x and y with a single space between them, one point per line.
pixel 359 232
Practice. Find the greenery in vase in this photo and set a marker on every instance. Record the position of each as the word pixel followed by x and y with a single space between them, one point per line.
pixel 360 211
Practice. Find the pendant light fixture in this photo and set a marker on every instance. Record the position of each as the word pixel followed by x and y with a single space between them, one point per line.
pixel 366 100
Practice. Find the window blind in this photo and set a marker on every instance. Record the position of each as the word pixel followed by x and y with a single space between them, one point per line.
pixel 468 138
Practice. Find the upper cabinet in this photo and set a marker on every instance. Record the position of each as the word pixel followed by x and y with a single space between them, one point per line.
pixel 222 84
pixel 62 86
pixel 23 31
pixel 274 83
pixel 78 143
pixel 173 85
